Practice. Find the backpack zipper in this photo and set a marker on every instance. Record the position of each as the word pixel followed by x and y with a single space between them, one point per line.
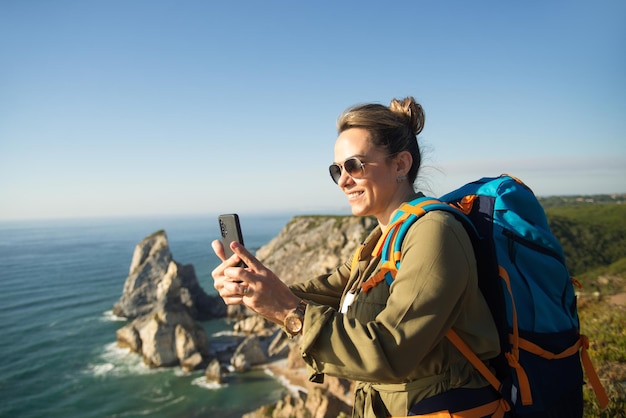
pixel 532 245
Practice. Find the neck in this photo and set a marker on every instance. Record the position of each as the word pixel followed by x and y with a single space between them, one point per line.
pixel 403 197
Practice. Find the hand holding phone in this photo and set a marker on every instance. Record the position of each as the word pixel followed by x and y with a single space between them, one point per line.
pixel 230 230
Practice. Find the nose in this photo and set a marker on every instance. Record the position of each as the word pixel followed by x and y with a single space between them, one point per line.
pixel 344 179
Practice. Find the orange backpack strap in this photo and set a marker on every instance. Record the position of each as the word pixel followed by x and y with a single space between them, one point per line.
pixel 582 344
pixel 473 358
pixel 494 409
pixel 513 356
pixel 601 395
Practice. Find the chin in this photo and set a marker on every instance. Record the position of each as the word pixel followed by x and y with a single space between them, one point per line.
pixel 359 211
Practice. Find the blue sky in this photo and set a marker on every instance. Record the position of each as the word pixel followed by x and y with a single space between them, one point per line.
pixel 115 108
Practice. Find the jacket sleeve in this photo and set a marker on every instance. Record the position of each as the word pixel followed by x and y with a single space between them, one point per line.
pixel 436 277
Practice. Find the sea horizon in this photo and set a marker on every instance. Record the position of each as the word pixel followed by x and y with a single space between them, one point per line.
pixel 283 213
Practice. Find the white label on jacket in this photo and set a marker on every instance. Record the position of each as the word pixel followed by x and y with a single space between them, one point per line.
pixel 347 301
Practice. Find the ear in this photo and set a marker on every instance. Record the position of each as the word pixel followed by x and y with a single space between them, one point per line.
pixel 404 161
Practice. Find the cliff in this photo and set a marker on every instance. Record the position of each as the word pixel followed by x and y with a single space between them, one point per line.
pixel 309 246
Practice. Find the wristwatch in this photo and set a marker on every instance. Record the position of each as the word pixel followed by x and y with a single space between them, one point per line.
pixel 295 320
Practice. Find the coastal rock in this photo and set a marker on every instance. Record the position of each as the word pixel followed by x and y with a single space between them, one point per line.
pixel 168 335
pixel 254 325
pixel 309 246
pixel 193 362
pixel 213 372
pixel 128 337
pixel 280 345
pixel 238 312
pixel 249 353
pixel 188 347
pixel 316 403
pixel 150 262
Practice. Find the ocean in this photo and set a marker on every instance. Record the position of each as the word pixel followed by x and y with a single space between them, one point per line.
pixel 59 280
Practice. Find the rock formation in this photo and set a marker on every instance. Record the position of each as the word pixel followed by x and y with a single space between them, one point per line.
pixel 167 335
pixel 163 299
pixel 151 261
pixel 312 245
pixel 316 403
pixel 213 372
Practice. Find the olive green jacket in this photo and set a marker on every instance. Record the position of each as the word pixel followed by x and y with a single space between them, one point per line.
pixel 391 339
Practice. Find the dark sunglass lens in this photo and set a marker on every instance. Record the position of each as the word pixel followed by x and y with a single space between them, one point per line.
pixel 353 166
pixel 335 172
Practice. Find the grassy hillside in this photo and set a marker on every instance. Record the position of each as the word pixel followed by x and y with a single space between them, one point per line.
pixel 593 236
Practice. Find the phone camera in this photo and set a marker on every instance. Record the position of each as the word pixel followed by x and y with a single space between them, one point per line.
pixel 223 230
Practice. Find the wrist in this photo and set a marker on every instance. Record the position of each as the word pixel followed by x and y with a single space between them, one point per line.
pixel 293 322
pixel 287 308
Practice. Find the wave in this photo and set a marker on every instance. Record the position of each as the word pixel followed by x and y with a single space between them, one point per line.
pixel 109 316
pixel 117 361
pixel 227 333
pixel 155 410
pixel 284 381
pixel 206 384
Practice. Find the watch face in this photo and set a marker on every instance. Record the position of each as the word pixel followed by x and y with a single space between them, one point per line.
pixel 294 324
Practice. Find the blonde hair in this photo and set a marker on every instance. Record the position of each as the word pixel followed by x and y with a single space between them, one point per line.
pixel 394 129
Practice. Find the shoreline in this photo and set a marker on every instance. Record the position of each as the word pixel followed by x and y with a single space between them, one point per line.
pixel 294 380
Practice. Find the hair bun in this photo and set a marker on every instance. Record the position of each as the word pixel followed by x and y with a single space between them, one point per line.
pixel 411 110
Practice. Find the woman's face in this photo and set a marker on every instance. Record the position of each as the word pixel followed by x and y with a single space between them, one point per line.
pixel 376 191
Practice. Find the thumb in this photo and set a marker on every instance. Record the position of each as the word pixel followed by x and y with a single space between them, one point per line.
pixel 218 248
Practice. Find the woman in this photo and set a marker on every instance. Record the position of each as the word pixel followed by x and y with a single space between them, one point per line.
pixel 390 339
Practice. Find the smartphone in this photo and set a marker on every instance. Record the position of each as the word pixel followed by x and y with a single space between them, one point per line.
pixel 230 229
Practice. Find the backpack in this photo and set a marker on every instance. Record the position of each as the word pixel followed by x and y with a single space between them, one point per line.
pixel 523 277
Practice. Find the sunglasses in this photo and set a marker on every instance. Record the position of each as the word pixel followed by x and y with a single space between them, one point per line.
pixel 353 166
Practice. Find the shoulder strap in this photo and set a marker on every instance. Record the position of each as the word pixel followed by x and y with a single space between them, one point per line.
pixel 390 243
pixel 408 214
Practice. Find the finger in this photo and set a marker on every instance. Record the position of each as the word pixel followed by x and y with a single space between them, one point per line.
pixel 234 273
pixel 234 300
pixel 245 255
pixel 219 271
pixel 218 248
pixel 246 290
pixel 233 293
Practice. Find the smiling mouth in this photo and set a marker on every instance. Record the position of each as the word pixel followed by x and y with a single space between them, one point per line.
pixel 354 195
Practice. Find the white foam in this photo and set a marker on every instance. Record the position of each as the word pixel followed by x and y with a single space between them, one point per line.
pixel 180 372
pixel 293 389
pixel 206 384
pixel 226 333
pixel 102 369
pixel 110 317
pixel 117 361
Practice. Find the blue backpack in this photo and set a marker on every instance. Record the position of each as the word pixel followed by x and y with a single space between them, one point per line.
pixel 523 277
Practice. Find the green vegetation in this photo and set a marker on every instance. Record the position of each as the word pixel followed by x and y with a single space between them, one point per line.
pixel 603 323
pixel 556 201
pixel 592 231
pixel 592 236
